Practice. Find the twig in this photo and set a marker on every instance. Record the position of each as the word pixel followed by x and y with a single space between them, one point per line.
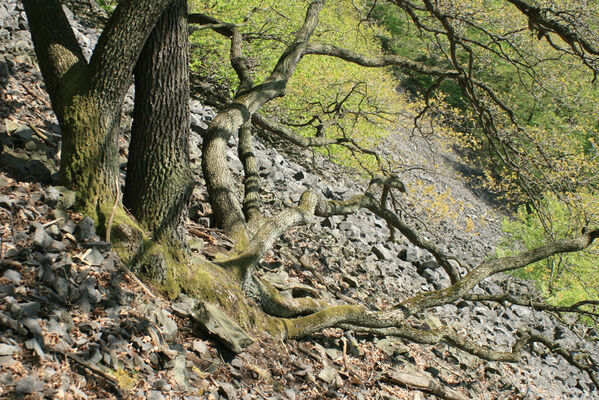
pixel 425 383
pixel 203 235
pixel 31 92
pixel 345 360
pixel 11 263
pixel 135 279
pixel 47 224
pixel 111 380
pixel 255 390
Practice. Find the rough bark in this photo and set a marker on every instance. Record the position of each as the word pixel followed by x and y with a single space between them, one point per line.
pixel 87 98
pixel 251 198
pixel 159 179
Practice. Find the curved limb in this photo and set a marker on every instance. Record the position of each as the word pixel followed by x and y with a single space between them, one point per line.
pixel 219 180
pixel 251 198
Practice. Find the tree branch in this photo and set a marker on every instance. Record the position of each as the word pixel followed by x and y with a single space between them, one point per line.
pixel 120 44
pixel 251 198
pixel 218 177
pixel 58 53
pixel 492 267
pixel 503 298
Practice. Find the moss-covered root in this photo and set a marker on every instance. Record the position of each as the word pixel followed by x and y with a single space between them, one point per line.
pixel 329 317
pixel 274 303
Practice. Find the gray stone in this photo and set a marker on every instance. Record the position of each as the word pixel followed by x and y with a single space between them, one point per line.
pixel 22 310
pixel 29 385
pixel 328 375
pixel 86 229
pixel 392 346
pixel 180 371
pixel 23 132
pixel 227 391
pixel 154 395
pixel 56 327
pixel 200 347
pixel 41 239
pixel 5 201
pixel 167 325
pixel 79 394
pixel 218 324
pixel 12 276
pixel 382 252
pixel 33 344
pixel 34 327
pixel 7 350
pixel 95 257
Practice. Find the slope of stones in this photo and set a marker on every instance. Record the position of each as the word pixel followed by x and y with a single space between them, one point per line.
pixel 74 324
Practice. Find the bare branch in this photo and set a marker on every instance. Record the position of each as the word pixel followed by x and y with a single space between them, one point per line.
pixel 503 298
pixel 492 267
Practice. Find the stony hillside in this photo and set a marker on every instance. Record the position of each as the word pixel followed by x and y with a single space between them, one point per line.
pixel 75 324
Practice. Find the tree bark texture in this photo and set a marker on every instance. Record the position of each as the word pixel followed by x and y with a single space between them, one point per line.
pixel 159 179
pixel 87 98
pixel 219 180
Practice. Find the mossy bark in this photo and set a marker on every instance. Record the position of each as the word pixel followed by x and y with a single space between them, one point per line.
pixel 89 161
pixel 87 96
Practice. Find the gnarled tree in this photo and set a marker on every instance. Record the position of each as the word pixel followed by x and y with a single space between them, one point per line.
pixel 87 99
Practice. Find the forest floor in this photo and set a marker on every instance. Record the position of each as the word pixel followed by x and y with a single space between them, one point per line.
pixel 75 324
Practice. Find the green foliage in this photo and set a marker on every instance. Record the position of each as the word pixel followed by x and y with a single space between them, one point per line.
pixel 357 102
pixel 551 95
pixel 108 5
pixel 563 279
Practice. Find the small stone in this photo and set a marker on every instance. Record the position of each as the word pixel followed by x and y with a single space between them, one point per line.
pixel 33 326
pixel 199 347
pixel 95 257
pixel 5 201
pixel 24 133
pixel 29 385
pixel 154 395
pixel 391 347
pixel 381 252
pixel 79 394
pixel 433 322
pixel 6 379
pixel 180 371
pixel 86 229
pixel 219 324
pixel 162 384
pixel 30 145
pixel 22 310
pixel 328 375
pixel 7 350
pixel 41 239
pixel 56 327
pixel 34 345
pixel 228 391
pixel 12 276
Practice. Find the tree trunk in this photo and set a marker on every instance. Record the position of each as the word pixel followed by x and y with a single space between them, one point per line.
pixel 159 179
pixel 87 97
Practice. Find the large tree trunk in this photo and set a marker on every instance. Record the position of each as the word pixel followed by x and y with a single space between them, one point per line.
pixel 87 97
pixel 159 179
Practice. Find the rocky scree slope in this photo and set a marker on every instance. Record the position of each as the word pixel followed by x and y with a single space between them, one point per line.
pixel 75 324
